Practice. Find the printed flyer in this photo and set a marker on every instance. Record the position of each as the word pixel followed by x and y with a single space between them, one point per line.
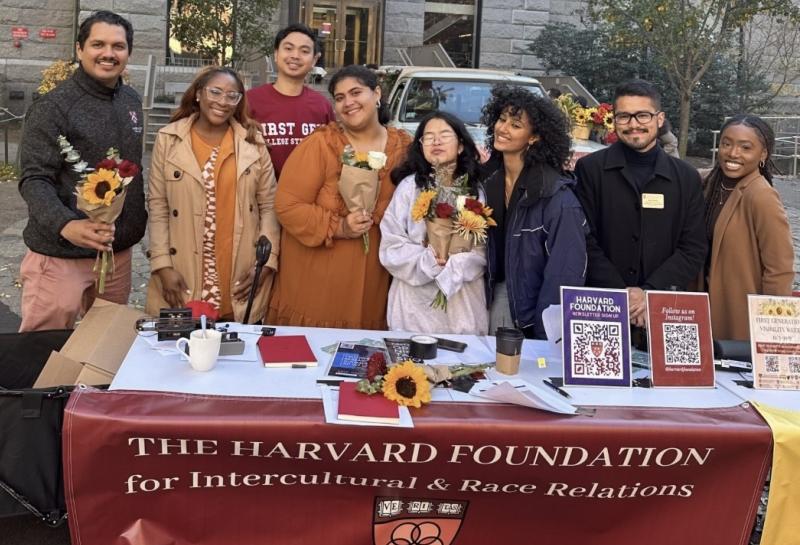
pixel 679 336
pixel 775 341
pixel 596 337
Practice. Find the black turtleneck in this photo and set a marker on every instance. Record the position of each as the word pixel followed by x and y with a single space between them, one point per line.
pixel 641 165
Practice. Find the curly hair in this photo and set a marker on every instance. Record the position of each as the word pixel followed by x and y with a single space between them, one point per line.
pixel 415 162
pixel 546 119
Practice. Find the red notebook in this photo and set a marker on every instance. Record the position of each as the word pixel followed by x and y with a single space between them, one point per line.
pixel 286 351
pixel 353 405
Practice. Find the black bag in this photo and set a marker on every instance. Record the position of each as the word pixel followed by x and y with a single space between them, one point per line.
pixel 31 479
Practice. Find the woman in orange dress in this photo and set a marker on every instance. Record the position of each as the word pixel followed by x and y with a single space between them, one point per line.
pixel 327 278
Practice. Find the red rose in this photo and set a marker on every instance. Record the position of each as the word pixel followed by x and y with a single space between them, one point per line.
pixel 611 137
pixel 444 210
pixel 108 164
pixel 474 206
pixel 376 365
pixel 128 169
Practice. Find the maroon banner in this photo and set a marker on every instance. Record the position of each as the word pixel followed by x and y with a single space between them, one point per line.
pixel 158 469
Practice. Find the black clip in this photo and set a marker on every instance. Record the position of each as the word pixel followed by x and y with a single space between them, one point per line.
pixel 267 331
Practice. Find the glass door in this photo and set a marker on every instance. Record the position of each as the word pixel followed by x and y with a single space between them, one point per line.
pixel 348 30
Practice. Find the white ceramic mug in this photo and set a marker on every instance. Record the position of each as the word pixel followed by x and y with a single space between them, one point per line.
pixel 203 350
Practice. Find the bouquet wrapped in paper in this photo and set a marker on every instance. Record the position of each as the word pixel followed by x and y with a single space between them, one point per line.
pixel 450 228
pixel 359 183
pixel 100 195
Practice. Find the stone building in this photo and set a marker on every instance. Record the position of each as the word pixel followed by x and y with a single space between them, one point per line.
pixel 474 33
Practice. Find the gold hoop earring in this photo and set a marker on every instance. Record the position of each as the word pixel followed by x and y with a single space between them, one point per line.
pixel 761 164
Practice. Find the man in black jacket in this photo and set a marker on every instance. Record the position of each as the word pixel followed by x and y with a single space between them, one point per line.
pixel 94 110
pixel 644 208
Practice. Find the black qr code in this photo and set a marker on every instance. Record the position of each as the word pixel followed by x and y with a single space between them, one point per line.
pixel 772 364
pixel 596 349
pixel 681 344
pixel 794 364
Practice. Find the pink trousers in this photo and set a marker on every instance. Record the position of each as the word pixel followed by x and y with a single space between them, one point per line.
pixel 56 291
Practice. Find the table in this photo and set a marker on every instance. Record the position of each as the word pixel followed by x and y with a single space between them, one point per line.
pixel 654 466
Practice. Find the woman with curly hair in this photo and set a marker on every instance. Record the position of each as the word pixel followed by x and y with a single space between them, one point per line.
pixel 746 225
pixel 441 153
pixel 539 243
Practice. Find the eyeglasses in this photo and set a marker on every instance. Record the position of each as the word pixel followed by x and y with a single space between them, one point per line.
pixel 444 138
pixel 623 118
pixel 218 95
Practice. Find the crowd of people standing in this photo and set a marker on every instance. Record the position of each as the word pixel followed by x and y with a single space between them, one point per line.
pixel 234 165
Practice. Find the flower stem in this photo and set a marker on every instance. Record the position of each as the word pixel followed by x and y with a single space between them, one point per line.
pixel 440 301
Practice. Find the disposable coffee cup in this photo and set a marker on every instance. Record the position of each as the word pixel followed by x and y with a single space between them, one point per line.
pixel 508 349
pixel 203 348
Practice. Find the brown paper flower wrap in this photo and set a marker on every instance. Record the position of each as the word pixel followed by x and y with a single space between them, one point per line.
pixel 359 183
pixel 459 244
pixel 100 194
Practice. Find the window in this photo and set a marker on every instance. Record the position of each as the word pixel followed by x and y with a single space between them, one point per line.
pixel 452 23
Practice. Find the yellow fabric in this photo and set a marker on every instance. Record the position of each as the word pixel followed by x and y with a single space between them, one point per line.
pixel 782 524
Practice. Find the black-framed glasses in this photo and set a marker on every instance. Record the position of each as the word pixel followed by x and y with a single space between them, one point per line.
pixel 218 95
pixel 443 138
pixel 623 118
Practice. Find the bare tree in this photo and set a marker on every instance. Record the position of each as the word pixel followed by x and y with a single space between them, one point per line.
pixel 686 35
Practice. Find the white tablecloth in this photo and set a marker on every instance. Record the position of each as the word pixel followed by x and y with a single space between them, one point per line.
pixel 150 370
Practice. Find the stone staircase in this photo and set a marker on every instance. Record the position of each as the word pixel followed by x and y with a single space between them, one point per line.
pixel 156 117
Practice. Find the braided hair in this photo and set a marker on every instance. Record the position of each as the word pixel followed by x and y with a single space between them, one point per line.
pixel 715 178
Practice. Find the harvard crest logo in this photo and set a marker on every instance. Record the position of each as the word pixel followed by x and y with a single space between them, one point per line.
pixel 416 522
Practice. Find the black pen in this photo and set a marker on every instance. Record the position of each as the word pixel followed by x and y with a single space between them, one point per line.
pixel 556 388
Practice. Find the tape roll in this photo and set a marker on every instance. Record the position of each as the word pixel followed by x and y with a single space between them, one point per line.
pixel 422 347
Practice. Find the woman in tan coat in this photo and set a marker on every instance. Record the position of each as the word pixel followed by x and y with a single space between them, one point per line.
pixel 327 279
pixel 210 195
pixel 750 239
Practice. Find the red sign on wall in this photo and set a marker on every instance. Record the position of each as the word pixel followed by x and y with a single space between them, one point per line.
pixel 19 32
pixel 47 33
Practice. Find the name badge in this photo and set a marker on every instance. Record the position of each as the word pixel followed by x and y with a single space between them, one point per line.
pixel 653 200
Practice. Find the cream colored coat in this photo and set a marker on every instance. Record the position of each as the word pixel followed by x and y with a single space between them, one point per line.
pixel 177 205
pixel 751 254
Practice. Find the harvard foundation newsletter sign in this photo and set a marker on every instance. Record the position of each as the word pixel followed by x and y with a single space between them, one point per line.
pixel 596 337
pixel 775 341
pixel 679 336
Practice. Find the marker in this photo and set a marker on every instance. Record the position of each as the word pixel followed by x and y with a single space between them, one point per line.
pixel 556 388
pixel 299 366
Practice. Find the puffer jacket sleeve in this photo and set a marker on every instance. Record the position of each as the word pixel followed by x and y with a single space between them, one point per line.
pixel 565 245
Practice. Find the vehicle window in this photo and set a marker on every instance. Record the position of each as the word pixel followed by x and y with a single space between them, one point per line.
pixel 464 99
pixel 394 105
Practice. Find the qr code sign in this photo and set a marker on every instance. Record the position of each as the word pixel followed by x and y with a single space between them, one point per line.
pixel 681 344
pixel 772 364
pixel 596 349
pixel 794 365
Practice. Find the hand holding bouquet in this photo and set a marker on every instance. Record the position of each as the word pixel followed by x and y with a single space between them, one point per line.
pixel 359 183
pixel 100 194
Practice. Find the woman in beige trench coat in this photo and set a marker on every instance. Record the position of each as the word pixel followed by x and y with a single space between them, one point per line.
pixel 210 194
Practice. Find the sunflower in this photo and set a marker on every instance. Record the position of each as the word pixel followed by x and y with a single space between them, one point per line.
pixel 471 225
pixel 100 187
pixel 581 116
pixel 406 384
pixel 422 205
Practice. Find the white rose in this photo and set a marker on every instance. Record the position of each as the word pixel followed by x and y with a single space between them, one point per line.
pixel 460 202
pixel 376 160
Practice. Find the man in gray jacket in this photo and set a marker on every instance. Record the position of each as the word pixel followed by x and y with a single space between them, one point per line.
pixel 94 110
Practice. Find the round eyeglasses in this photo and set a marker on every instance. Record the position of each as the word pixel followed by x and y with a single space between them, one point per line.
pixel 444 138
pixel 218 95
